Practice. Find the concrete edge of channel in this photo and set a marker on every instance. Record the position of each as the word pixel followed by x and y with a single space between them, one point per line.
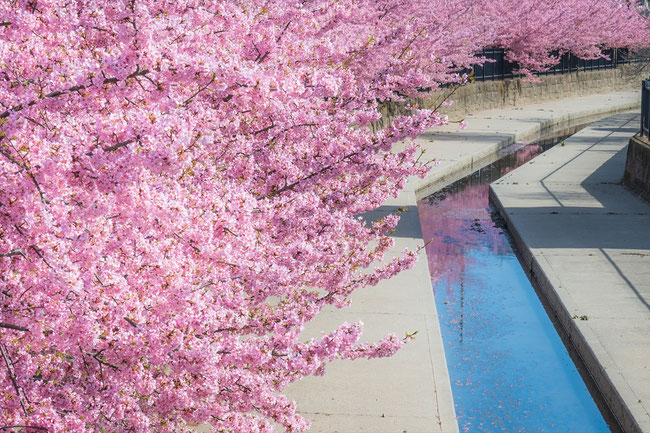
pixel 460 169
pixel 610 384
pixel 446 412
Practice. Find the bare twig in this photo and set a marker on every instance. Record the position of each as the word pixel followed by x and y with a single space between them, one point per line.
pixel 264 129
pixel 263 57
pixel 33 247
pixel 103 361
pixel 446 98
pixel 29 173
pixel 282 32
pixel 195 248
pixel 158 85
pixel 406 48
pixel 117 146
pixel 188 100
pixel 99 280
pixel 35 122
pixel 421 247
pixel 131 322
pixel 227 230
pixel 204 285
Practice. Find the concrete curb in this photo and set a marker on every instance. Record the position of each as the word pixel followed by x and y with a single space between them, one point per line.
pixel 450 174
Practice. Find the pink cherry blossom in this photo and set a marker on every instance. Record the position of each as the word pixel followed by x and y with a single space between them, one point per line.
pixel 181 184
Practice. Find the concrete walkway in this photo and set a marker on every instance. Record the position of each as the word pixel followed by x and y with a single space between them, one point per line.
pixel 411 392
pixel 585 240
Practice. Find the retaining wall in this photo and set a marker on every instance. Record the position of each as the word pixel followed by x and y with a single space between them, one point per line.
pixel 637 166
pixel 486 95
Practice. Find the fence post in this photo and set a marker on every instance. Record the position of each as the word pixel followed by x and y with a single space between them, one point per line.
pixel 645 108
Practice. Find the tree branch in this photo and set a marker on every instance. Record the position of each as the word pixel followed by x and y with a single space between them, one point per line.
pixel 16 327
pixel 29 173
pixel 131 322
pixel 188 100
pixel 103 361
pixel 39 254
pixel 316 173
pixel 36 427
pixel 72 89
pixel 194 247
pixel 3 351
pixel 117 146
pixel 13 253
pixel 406 48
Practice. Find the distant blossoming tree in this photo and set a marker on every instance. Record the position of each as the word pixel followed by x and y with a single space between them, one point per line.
pixel 179 184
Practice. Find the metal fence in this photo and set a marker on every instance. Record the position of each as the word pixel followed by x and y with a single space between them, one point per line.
pixel 645 108
pixel 498 68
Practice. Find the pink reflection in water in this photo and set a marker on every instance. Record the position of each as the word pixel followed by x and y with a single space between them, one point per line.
pixel 457 220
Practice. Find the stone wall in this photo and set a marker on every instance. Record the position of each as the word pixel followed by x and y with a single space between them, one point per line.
pixel 637 166
pixel 486 95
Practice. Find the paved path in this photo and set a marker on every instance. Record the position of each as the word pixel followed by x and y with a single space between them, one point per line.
pixel 410 392
pixel 585 239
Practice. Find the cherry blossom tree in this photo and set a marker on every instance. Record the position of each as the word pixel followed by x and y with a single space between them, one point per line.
pixel 181 182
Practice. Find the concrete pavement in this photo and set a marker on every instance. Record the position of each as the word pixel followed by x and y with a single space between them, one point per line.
pixel 462 152
pixel 585 241
pixel 410 392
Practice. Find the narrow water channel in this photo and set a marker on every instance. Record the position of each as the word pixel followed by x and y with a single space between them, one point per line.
pixel 509 369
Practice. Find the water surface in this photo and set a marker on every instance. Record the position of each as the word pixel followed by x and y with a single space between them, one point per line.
pixel 509 370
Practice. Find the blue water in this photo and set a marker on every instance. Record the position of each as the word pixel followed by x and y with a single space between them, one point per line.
pixel 509 369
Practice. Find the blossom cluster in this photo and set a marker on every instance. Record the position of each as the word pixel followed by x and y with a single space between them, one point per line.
pixel 180 185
